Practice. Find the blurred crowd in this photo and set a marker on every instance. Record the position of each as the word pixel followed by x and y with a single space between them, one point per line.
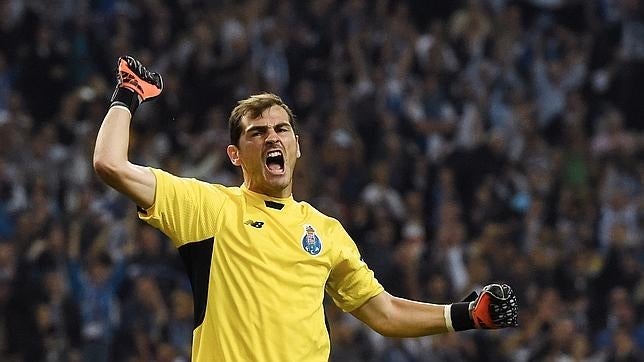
pixel 460 143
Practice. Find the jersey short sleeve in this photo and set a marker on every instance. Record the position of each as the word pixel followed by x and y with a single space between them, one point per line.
pixel 351 283
pixel 185 209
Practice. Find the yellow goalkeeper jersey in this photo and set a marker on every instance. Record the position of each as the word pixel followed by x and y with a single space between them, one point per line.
pixel 259 267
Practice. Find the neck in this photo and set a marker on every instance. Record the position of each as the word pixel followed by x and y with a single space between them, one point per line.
pixel 276 192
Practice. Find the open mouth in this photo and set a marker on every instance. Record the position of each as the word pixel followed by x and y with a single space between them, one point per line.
pixel 275 162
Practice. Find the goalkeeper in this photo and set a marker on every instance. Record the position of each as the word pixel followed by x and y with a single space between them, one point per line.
pixel 259 262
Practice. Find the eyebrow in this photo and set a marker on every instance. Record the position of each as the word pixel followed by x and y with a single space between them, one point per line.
pixel 265 127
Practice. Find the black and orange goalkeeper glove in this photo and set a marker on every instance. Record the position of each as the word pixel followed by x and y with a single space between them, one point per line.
pixel 135 84
pixel 496 307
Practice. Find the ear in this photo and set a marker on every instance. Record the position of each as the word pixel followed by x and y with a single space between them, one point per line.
pixel 297 146
pixel 233 154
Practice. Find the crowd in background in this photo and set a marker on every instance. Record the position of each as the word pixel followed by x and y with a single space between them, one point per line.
pixel 460 143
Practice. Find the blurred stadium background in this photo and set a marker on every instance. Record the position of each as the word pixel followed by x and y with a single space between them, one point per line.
pixel 460 142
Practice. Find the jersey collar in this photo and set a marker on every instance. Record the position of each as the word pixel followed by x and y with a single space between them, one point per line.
pixel 265 201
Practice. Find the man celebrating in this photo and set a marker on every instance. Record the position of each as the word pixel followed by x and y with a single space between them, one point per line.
pixel 259 262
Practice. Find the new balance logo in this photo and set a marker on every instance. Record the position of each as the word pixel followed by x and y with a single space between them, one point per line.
pixel 255 224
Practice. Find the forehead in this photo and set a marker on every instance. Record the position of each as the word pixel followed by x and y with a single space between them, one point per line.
pixel 270 116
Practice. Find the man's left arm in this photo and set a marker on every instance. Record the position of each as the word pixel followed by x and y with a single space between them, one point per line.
pixel 354 289
pixel 398 317
pixel 496 307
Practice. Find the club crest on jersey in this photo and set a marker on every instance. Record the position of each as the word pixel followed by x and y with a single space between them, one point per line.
pixel 311 243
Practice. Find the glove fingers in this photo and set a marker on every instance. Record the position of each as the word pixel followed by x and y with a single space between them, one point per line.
pixel 498 291
pixel 142 72
pixel 497 306
pixel 133 75
pixel 505 314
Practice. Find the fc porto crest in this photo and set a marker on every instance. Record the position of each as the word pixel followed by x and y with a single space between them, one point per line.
pixel 311 243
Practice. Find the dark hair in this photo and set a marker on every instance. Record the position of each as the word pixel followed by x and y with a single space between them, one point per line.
pixel 253 107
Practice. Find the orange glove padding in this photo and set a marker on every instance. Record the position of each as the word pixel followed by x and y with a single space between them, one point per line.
pixel 135 84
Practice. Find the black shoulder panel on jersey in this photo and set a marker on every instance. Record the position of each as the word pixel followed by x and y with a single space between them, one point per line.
pixel 197 257
pixel 273 205
pixel 326 323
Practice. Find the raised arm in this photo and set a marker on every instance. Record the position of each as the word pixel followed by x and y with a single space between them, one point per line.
pixel 134 85
pixel 391 316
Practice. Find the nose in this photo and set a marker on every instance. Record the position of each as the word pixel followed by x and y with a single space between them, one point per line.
pixel 271 135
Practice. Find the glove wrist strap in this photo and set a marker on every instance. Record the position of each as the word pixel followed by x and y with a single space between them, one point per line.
pixel 460 316
pixel 126 98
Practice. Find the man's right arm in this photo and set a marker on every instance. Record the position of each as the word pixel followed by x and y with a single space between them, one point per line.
pixel 111 161
pixel 135 85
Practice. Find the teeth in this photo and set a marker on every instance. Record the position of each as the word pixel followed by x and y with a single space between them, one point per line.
pixel 274 154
